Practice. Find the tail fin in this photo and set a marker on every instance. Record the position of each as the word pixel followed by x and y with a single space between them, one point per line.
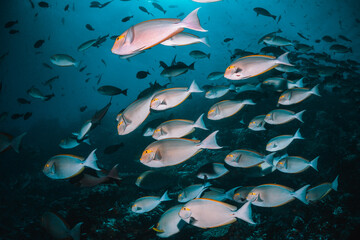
pixel 200 123
pixel 300 83
pixel 149 132
pixel 269 158
pixel 335 183
pixel 283 59
pixel 194 88
pixel 124 92
pixel 16 142
pixel 75 231
pixel 301 194
pixel 315 90
pixel 314 163
pixel 192 21
pixel 90 161
pixel 232 87
pixel 210 142
pixel 297 135
pixel 208 56
pixel 77 64
pixel 299 116
pixel 114 173
pixel 248 102
pixel 258 87
pixel 230 194
pixel 205 40
pixel 192 66
pixel 244 213
pixel 273 16
pixel 165 197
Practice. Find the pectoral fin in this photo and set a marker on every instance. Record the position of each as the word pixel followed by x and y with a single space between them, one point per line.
pixel 130 35
pixel 258 198
pixel 192 220
pixel 158 155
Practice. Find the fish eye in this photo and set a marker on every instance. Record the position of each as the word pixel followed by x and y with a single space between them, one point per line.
pixel 230 67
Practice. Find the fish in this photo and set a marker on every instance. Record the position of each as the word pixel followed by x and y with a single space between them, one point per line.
pixel 100 177
pixel 27 115
pixel 23 101
pixel 296 95
pixel 192 191
pixel 281 116
pixel 173 151
pixel 43 4
pixel 272 34
pixel 134 115
pixel 89 27
pixel 16 116
pixel 99 115
pixel 58 228
pixel 9 24
pixel 85 128
pixel 264 12
pixel 111 90
pixel 145 10
pixel 287 68
pixel 36 93
pixel 63 60
pixel 170 223
pixel 183 39
pixel 303 47
pixel 176 69
pixel 302 36
pixel 142 74
pixel 50 81
pixel 32 4
pixel 113 148
pixel 125 19
pixel 337 48
pixel 66 166
pixel 219 91
pixel 86 45
pixel 199 54
pixel 66 8
pixel 147 34
pixel 318 192
pixel 215 76
pixel 244 158
pixel 7 141
pixel 239 194
pixel 275 195
pixel 146 204
pixel 100 40
pixel 227 108
pixel 177 128
pixel 344 38
pixel 72 142
pixel 248 87
pixel 103 61
pixel 328 39
pixel 295 84
pixel 47 65
pixel 39 43
pixel 172 97
pixel 153 180
pixel 280 142
pixel 158 6
pixel 211 171
pixel 228 39
pixel 257 123
pixel 83 108
pixel 82 69
pixel 295 164
pixel 254 65
pixel 277 41
pixel 14 31
pixel 208 213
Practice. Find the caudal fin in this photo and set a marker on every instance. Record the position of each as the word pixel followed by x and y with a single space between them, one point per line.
pixel 248 102
pixel 314 163
pixel 124 92
pixel 299 116
pixel 75 231
pixel 165 197
pixel 200 123
pixel 16 142
pixel 335 183
pixel 269 158
pixel 205 40
pixel 210 142
pixel 300 83
pixel 90 161
pixel 114 174
pixel 315 90
pixel 192 21
pixel 244 213
pixel 194 88
pixel 301 194
pixel 283 59
pixel 297 135
pixel 230 194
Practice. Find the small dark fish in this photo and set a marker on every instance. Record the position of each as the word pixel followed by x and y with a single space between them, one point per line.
pixel 328 39
pixel 228 39
pixel 157 6
pixel 95 4
pixel 113 148
pixel 89 27
pixel 145 10
pixel 340 48
pixel 16 116
pixel 99 76
pixel 63 20
pixel 87 80
pixel 264 12
pixel 100 40
pixel 23 101
pixel 66 7
pixel 99 115
pixel 302 36
pixel 111 90
pixel 27 115
pixel 344 38
pixel 38 43
pixel 83 108
pixel 103 61
pixel 199 54
pixel 180 14
pixel 32 4
pixel 13 31
pixel 105 4
pixel 43 4
pixel 142 74
pixel 47 65
pixel 82 69
pixel 10 24
pixel 125 19
pixel 317 40
pixel 279 18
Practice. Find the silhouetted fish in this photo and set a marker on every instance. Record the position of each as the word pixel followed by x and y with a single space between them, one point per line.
pixel 83 108
pixel 10 24
pixel 23 101
pixel 142 74
pixel 89 27
pixel 27 115
pixel 125 19
pixel 113 148
pixel 43 4
pixel 145 10
pixel 39 43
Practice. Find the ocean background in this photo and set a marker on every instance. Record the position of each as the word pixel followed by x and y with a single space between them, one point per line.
pixel 331 123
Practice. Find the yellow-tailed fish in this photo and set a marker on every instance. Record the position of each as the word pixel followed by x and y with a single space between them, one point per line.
pixel 296 95
pixel 169 152
pixel 281 116
pixel 177 128
pixel 280 142
pixel 227 108
pixel 246 158
pixel 147 34
pixel 294 164
pixel 208 213
pixel 240 194
pixel 170 223
pixel 192 191
pixel 172 97
pixel 212 171
pixel 257 123
pixel 275 195
pixel 295 84
pixel 254 65
pixel 146 204
pixel 183 38
pixel 219 91
pixel 316 193
pixel 248 87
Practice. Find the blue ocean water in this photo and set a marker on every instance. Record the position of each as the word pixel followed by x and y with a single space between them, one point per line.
pixel 330 128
